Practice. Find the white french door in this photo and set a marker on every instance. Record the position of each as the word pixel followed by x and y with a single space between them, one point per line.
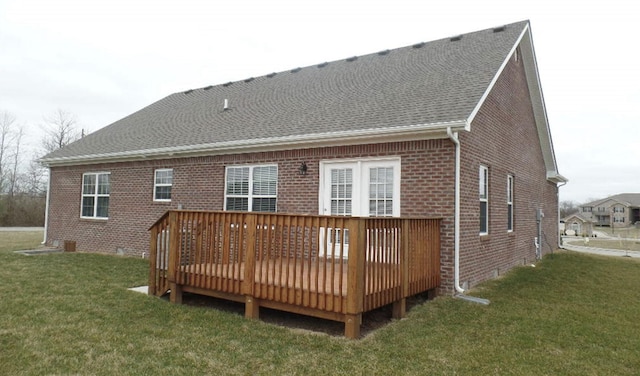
pixel 358 188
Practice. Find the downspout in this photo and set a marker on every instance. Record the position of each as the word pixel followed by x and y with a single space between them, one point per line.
pixel 558 200
pixel 46 209
pixel 456 237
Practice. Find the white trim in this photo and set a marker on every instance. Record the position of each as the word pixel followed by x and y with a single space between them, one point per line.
pixel 360 179
pixel 485 199
pixel 156 185
pixel 496 76
pixel 528 58
pixel 95 195
pixel 510 202
pixel 250 196
pixel 372 135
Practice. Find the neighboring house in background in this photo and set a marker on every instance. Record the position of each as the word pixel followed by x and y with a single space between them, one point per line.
pixel 455 128
pixel 578 224
pixel 620 210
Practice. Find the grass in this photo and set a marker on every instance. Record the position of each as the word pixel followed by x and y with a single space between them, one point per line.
pixel 70 313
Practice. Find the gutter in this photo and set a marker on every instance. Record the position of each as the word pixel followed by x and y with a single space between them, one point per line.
pixel 560 235
pixel 372 135
pixel 456 279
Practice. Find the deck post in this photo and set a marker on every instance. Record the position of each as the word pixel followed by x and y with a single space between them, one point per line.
pixel 250 256
pixel 174 258
pixel 175 296
pixel 251 307
pixel 400 306
pixel 355 276
pixel 352 326
pixel 153 252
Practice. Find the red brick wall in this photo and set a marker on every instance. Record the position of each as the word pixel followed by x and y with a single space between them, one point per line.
pixel 198 183
pixel 504 138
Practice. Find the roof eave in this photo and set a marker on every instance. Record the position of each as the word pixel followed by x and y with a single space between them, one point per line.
pixel 373 135
pixel 554 177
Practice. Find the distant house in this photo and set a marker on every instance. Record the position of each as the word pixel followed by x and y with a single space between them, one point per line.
pixel 578 224
pixel 620 210
pixel 454 128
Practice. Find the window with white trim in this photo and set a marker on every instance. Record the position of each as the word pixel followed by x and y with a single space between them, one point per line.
pixel 251 188
pixel 509 203
pixel 162 183
pixel 484 199
pixel 96 188
pixel 381 192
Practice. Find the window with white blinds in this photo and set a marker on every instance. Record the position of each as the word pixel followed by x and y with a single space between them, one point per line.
pixel 251 188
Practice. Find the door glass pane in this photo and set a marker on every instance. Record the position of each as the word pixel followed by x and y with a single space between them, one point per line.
pixel 381 192
pixel 341 191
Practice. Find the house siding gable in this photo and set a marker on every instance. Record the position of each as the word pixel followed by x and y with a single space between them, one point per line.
pixel 504 138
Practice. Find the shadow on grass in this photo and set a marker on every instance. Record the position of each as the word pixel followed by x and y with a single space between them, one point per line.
pixel 371 320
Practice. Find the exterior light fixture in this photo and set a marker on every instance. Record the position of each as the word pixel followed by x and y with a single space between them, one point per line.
pixel 302 170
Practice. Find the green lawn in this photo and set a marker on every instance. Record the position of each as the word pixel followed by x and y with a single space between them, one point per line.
pixel 70 313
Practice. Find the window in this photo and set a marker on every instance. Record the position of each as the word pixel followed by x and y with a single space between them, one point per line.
pixel 162 184
pixel 509 202
pixel 95 195
pixel 381 192
pixel 586 209
pixel 251 188
pixel 618 209
pixel 484 200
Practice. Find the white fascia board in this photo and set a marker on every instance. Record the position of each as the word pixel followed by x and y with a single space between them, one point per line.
pixel 535 92
pixel 553 176
pixel 373 135
pixel 496 76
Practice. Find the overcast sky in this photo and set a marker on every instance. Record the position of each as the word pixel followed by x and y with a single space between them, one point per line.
pixel 103 60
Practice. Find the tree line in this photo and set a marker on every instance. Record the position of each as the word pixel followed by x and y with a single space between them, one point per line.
pixel 23 180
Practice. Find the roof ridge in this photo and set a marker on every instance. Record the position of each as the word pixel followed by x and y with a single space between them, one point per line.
pixel 452 38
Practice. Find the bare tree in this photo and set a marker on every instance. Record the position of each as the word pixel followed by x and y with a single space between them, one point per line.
pixel 17 141
pixel 567 208
pixel 60 130
pixel 6 124
pixel 34 180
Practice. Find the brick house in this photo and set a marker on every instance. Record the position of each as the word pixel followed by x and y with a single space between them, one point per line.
pixel 454 128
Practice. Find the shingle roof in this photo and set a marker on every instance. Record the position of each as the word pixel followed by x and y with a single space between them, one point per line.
pixel 437 82
pixel 629 199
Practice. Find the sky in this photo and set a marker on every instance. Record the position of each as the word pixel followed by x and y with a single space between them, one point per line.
pixel 103 60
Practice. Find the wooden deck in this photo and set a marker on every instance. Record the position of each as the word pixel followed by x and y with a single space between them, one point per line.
pixel 330 267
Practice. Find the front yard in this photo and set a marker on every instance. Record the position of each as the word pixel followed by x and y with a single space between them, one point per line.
pixel 71 313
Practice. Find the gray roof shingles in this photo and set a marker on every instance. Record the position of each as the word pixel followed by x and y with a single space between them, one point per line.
pixel 441 81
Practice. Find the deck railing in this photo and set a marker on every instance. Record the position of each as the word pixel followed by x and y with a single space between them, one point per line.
pixel 326 266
